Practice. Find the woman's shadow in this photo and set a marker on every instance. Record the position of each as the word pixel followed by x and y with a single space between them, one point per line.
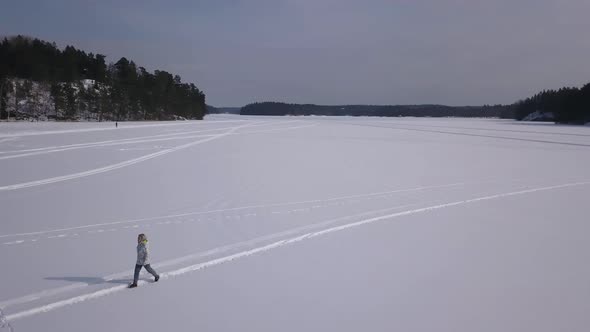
pixel 90 280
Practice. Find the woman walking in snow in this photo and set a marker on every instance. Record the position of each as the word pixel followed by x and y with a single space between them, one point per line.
pixel 142 260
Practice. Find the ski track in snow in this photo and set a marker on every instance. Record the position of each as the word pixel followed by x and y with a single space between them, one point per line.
pixel 488 129
pixel 209 252
pixel 105 168
pixel 126 163
pixel 191 220
pixel 142 139
pixel 122 126
pixel 7 139
pixel 278 244
pixel 396 127
pixel 318 203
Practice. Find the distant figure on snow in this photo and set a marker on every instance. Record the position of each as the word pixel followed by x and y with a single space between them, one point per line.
pixel 143 260
pixel 116 124
pixel 4 324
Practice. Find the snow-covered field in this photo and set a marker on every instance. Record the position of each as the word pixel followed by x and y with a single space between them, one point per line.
pixel 296 224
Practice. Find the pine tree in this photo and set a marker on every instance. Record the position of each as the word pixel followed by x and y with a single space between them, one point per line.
pixel 70 101
pixel 5 88
pixel 58 98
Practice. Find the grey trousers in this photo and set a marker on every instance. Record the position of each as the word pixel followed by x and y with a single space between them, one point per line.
pixel 138 268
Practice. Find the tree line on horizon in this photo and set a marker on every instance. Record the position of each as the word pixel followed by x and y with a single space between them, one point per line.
pixel 41 79
pixel 566 105
pixel 278 108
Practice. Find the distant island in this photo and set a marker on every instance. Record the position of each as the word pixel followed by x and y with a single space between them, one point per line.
pixel 40 81
pixel 222 110
pixel 275 108
pixel 566 105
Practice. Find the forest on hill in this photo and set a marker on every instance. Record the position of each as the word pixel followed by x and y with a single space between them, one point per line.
pixel 566 105
pixel 39 80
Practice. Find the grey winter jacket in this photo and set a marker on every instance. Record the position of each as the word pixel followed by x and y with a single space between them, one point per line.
pixel 143 257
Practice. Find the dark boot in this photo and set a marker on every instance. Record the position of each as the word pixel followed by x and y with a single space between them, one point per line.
pixel 152 272
pixel 132 285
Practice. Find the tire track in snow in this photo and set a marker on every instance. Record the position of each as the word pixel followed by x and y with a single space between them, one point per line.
pixel 277 244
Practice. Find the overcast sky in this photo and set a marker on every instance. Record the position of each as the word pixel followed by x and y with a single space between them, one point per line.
pixel 455 52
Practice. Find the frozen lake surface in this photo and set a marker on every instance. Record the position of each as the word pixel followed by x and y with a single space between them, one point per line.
pixel 296 224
